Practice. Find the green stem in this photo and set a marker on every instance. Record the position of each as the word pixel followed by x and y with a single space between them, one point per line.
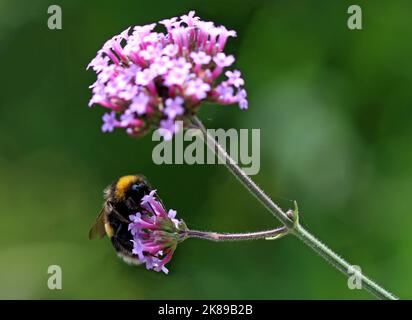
pixel 294 226
pixel 214 236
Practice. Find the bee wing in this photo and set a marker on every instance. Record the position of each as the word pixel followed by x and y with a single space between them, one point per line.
pixel 97 231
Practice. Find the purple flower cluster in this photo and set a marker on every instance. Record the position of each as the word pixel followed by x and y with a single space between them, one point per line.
pixel 156 233
pixel 150 79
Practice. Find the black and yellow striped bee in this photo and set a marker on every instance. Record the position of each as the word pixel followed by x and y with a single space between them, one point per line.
pixel 121 199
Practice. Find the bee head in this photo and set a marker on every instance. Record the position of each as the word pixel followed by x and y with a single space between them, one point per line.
pixel 130 186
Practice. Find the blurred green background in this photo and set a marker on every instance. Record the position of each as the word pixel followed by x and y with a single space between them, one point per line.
pixel 334 107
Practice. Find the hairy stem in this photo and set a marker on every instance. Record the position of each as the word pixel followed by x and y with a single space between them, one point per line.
pixel 214 236
pixel 294 227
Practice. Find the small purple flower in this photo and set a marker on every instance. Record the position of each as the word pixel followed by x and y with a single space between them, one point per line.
pixel 197 88
pixel 126 119
pixel 225 92
pixel 182 63
pixel 235 78
pixel 138 248
pixel 224 35
pixel 139 104
pixel 156 233
pixel 190 19
pixel 171 50
pixel 243 103
pixel 128 92
pixel 167 129
pixel 200 57
pixel 99 94
pixel 168 23
pixel 144 77
pixel 176 76
pixel 99 63
pixel 223 60
pixel 149 198
pixel 109 122
pixel 174 107
pixel 150 53
pixel 172 214
pixel 162 65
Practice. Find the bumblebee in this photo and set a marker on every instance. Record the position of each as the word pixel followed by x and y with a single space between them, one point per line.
pixel 121 199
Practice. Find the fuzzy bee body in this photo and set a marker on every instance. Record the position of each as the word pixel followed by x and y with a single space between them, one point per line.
pixel 122 198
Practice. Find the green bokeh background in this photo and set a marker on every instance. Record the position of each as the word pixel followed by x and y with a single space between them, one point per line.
pixel 334 107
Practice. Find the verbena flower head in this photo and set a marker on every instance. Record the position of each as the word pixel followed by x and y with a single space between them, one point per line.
pixel 156 233
pixel 149 79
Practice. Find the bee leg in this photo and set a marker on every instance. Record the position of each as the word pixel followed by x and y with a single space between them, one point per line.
pixel 118 230
pixel 117 226
pixel 119 216
pixel 130 203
